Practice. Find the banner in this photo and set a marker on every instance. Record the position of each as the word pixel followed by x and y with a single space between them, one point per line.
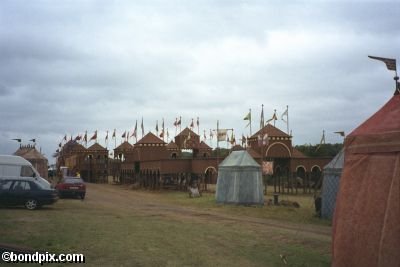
pixel 268 167
pixel 222 134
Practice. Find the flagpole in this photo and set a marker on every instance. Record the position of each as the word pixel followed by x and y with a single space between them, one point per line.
pixel 250 120
pixel 287 116
pixel 274 116
pixel 136 131
pixel 262 117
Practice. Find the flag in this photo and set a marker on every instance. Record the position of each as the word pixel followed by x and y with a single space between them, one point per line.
pixel 390 62
pixel 274 118
pixel 233 139
pixel 221 134
pixel 341 133
pixel 33 140
pixel 180 121
pixel 77 138
pixel 65 137
pixel 197 122
pixel 142 126
pixel 285 114
pixel 157 126
pixel 205 136
pixel 192 124
pixel 248 118
pixel 262 117
pixel 162 129
pixel 176 122
pixel 135 130
pixel 113 136
pixel 123 135
pixel 59 145
pixel 94 137
pixel 106 137
pixel 85 137
pixel 17 139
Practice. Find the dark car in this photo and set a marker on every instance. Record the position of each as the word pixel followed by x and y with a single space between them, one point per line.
pixel 72 187
pixel 29 192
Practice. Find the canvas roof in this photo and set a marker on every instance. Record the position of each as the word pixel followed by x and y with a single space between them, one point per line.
pixel 379 133
pixel 336 163
pixel 239 159
pixel 366 225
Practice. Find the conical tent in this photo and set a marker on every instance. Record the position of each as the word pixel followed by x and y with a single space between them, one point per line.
pixel 240 180
pixel 366 225
pixel 330 184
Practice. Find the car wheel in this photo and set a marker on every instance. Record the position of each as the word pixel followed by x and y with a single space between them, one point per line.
pixel 31 204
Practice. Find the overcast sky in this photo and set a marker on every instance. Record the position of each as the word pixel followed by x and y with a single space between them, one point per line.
pixel 73 66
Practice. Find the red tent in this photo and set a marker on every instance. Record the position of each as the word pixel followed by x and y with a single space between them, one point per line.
pixel 366 225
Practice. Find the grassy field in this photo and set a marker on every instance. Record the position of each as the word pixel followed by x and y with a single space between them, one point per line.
pixel 119 227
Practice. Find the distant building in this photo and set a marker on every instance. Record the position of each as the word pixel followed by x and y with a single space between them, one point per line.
pixel 151 162
pixel 37 159
pixel 91 163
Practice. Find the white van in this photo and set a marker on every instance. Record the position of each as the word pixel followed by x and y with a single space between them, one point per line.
pixel 16 166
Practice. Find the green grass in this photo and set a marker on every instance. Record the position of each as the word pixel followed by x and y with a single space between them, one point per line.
pixel 304 214
pixel 114 237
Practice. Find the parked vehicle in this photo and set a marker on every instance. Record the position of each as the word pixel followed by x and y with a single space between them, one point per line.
pixel 18 167
pixel 29 192
pixel 71 186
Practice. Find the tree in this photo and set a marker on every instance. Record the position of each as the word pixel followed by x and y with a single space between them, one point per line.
pixel 323 150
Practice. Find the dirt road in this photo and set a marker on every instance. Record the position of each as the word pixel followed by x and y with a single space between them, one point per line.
pixel 124 200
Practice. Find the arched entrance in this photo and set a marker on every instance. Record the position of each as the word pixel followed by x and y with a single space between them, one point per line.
pixel 210 176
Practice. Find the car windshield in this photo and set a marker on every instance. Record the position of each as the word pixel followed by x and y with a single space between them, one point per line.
pixel 73 180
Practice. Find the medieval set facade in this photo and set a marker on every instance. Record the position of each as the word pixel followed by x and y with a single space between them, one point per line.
pixel 36 158
pixel 153 163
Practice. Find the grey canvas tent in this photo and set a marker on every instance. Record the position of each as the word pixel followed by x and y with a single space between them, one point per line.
pixel 240 180
pixel 330 185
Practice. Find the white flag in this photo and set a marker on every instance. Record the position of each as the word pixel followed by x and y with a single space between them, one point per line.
pixel 222 134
